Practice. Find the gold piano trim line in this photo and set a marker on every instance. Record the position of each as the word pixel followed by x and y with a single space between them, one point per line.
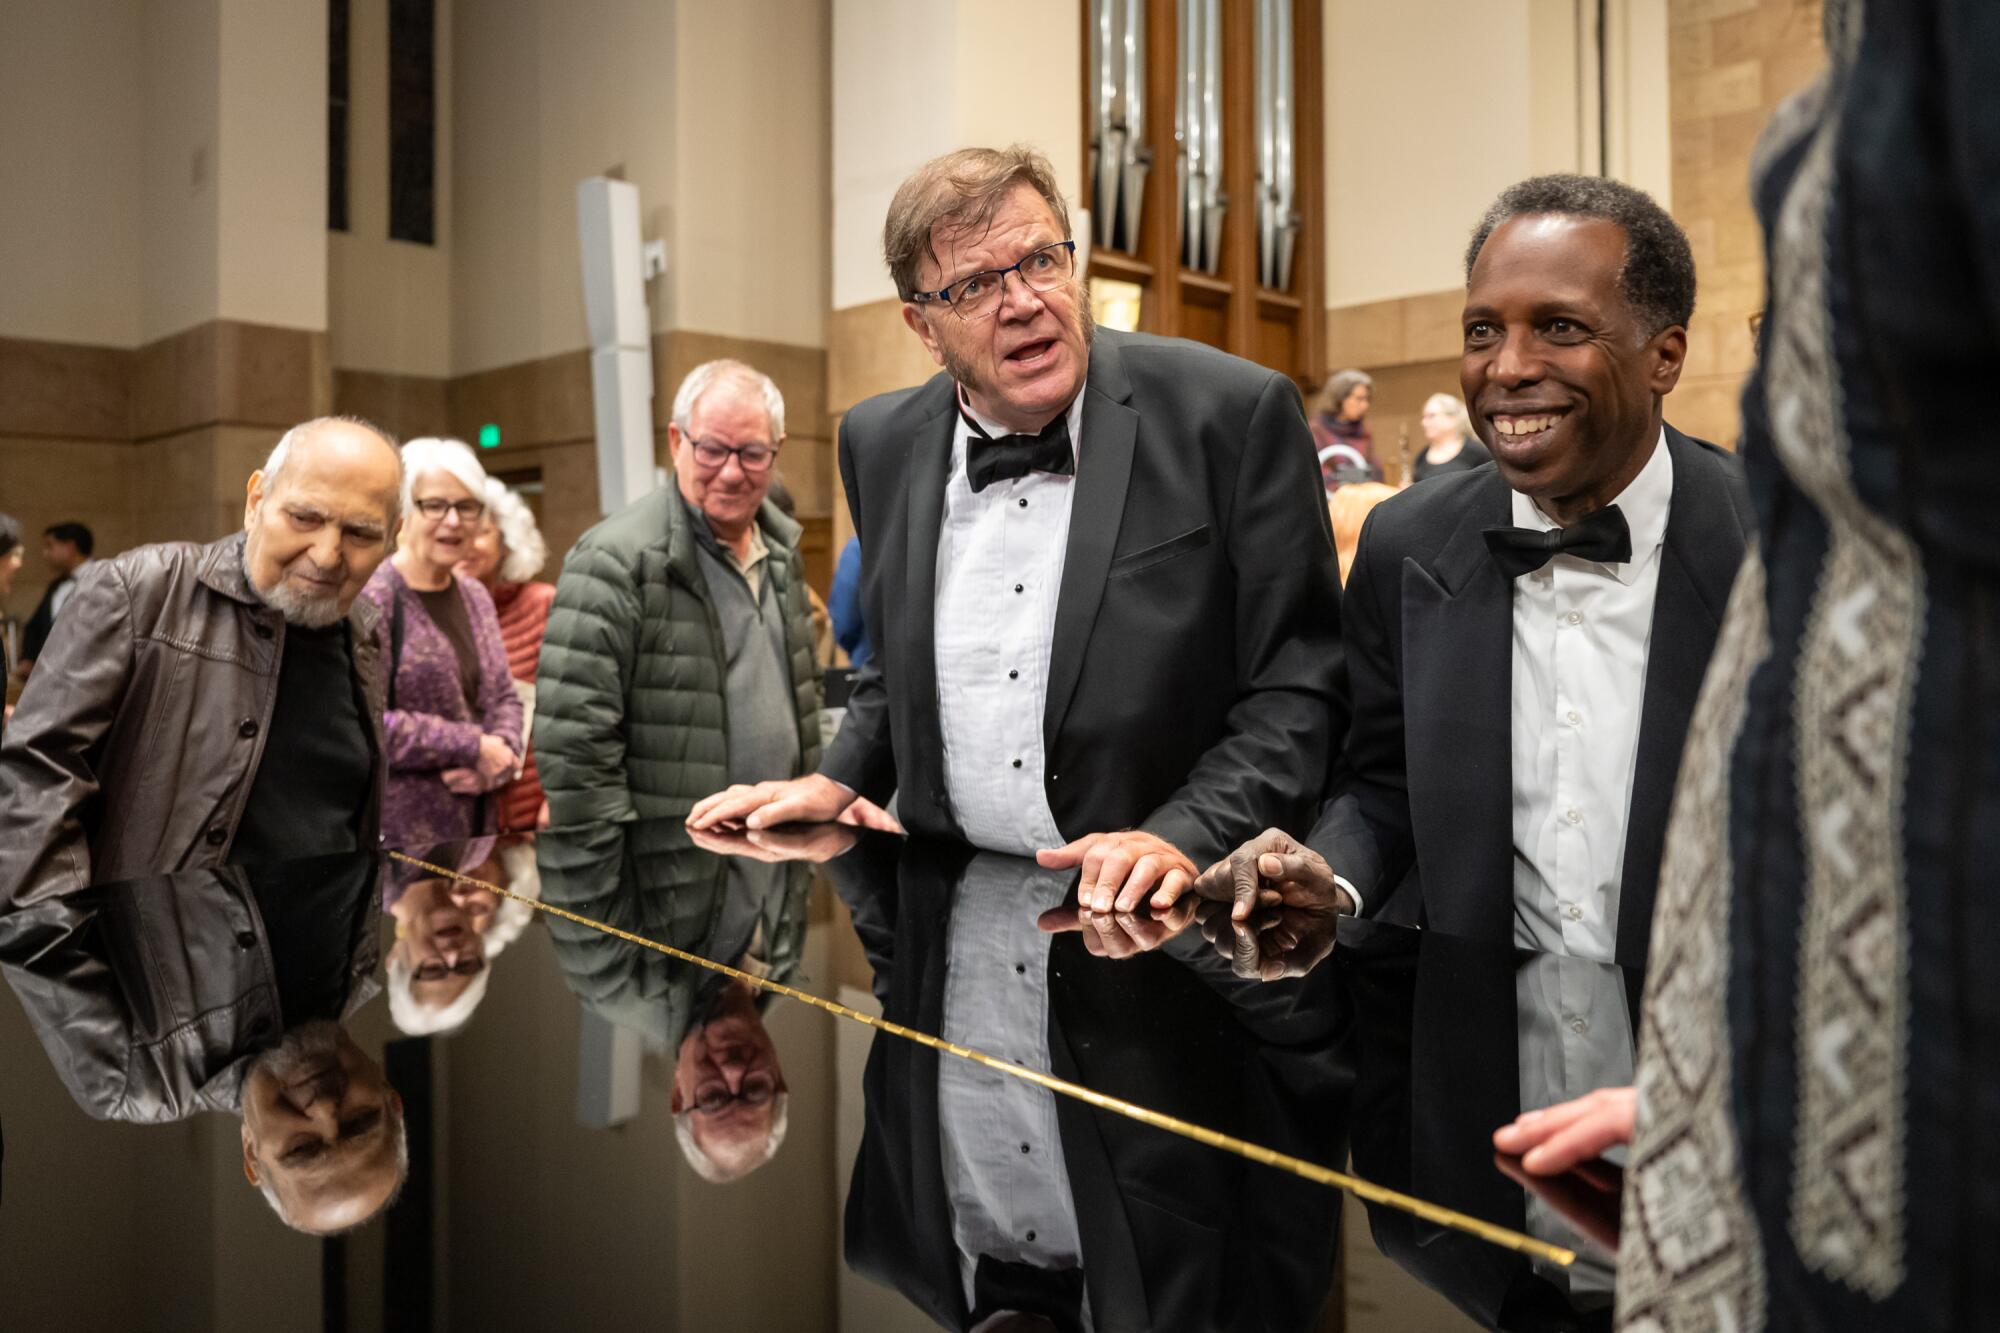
pixel 1298 1166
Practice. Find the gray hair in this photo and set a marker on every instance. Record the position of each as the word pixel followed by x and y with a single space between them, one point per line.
pixel 454 458
pixel 1657 278
pixel 526 551
pixel 270 1191
pixel 1454 409
pixel 415 1019
pixel 713 1171
pixel 709 374
pixel 281 453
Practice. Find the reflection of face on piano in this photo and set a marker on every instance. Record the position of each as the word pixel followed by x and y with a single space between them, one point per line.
pixel 728 1087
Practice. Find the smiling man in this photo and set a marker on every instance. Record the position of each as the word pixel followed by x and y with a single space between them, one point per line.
pixel 213 704
pixel 1098 574
pixel 1525 640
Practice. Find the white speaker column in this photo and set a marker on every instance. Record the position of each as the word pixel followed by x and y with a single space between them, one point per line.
pixel 621 351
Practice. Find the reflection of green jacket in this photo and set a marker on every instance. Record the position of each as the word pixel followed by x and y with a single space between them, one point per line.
pixel 630 717
pixel 648 878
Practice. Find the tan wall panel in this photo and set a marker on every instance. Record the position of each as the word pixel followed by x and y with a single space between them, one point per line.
pixel 404 405
pixel 1729 64
pixel 66 389
pixel 869 350
pixel 45 481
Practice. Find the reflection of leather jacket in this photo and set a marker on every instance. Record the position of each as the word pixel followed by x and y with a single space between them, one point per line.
pixel 152 997
pixel 133 749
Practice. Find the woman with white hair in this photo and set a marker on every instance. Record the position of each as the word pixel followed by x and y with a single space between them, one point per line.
pixel 507 553
pixel 1448 429
pixel 453 722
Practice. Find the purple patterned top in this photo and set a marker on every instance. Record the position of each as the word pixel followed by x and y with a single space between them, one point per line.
pixel 430 729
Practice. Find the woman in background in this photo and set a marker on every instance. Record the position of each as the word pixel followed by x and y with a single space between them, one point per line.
pixel 1340 429
pixel 507 553
pixel 453 722
pixel 1448 429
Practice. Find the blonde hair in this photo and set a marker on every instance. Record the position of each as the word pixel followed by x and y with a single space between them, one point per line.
pixel 1348 508
pixel 963 189
pixel 1453 408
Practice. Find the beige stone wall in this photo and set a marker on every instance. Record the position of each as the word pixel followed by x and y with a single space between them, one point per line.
pixel 1732 62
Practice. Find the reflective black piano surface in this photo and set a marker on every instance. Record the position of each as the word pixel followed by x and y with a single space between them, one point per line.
pixel 576 1129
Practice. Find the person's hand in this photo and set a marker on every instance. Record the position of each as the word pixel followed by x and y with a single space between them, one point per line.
pixel 497 761
pixel 1120 869
pixel 463 781
pixel 1586 1196
pixel 542 816
pixel 808 800
pixel 864 813
pixel 1271 907
pixel 817 843
pixel 1560 1137
pixel 1119 934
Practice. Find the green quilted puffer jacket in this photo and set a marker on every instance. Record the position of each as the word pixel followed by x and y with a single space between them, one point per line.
pixel 630 720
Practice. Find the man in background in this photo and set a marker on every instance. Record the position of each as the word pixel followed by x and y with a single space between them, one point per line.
pixel 66 549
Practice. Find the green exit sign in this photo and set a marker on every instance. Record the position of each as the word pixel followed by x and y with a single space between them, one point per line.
pixel 489 436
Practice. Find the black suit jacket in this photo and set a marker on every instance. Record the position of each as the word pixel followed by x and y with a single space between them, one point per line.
pixel 1428 783
pixel 1193 678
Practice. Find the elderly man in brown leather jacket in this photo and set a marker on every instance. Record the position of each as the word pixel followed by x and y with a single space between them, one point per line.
pixel 206 705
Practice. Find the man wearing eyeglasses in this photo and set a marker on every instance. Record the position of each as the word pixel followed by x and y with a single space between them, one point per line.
pixel 1098 572
pixel 679 651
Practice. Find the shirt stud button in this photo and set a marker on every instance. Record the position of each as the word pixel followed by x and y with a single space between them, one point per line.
pixel 1013 675
pixel 1017 763
pixel 1574 816
pixel 1575 718
pixel 1024 502
pixel 1031 1238
pixel 246 939
pixel 1575 617
pixel 1020 587
pixel 1024 1149
pixel 1020 969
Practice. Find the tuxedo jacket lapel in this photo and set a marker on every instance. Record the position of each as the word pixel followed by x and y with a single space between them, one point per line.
pixel 1457 665
pixel 1698 562
pixel 930 460
pixel 1110 433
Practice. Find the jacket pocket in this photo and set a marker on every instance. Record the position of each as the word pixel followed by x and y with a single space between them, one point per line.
pixel 1133 562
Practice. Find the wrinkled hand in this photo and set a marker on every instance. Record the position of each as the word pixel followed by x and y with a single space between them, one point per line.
pixel 808 800
pixel 497 762
pixel 1271 907
pixel 1120 869
pixel 864 813
pixel 1119 934
pixel 816 843
pixel 463 781
pixel 1562 1136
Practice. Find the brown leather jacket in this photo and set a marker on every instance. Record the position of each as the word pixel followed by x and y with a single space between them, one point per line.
pixel 152 998
pixel 132 750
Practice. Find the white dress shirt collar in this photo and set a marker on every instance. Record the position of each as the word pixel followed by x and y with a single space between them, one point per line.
pixel 1644 502
pixel 970 413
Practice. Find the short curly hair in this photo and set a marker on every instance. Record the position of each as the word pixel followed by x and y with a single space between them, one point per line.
pixel 1658 276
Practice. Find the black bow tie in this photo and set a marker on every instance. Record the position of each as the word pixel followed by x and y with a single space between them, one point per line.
pixel 1054 1293
pixel 989 459
pixel 1601 536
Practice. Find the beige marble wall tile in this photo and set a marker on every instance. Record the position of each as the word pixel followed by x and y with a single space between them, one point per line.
pixel 47 480
pixel 65 389
pixel 869 350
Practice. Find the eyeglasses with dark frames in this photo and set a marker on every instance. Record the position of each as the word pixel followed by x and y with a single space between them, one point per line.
pixel 468 511
pixel 751 457
pixel 977 296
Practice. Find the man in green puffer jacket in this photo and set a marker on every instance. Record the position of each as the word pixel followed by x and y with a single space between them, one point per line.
pixel 678 657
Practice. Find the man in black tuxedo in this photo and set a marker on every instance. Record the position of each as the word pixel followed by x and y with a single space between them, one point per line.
pixel 1098 572
pixel 1525 640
